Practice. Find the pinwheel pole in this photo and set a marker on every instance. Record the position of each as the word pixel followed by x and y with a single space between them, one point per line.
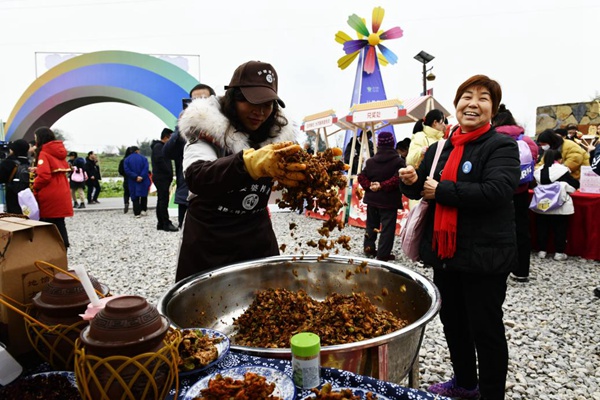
pixel 368 83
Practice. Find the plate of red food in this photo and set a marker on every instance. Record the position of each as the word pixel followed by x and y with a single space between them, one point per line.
pixel 257 383
pixel 55 385
pixel 327 392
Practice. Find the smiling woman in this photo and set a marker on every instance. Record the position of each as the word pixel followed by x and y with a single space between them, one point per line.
pixel 470 238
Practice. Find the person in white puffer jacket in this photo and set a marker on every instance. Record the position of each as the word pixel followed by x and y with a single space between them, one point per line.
pixel 557 220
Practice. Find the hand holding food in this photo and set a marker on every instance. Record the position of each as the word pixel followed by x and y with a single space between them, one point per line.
pixel 408 175
pixel 268 162
pixel 429 188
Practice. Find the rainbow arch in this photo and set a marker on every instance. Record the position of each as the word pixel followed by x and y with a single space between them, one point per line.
pixel 104 76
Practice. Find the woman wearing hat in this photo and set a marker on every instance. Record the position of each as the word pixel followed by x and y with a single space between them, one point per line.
pixel 235 145
pixel 383 198
pixel 469 238
pixel 17 156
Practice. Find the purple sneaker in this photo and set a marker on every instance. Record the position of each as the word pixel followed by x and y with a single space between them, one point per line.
pixel 449 389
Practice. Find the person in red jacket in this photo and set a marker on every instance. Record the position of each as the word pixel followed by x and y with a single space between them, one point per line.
pixel 51 185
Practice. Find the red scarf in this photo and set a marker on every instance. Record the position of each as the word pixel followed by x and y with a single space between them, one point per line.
pixel 444 225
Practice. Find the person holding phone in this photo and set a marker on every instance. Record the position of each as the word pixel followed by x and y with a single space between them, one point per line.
pixel 173 150
pixel 233 156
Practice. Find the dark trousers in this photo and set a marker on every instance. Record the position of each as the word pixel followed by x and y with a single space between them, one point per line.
pixel 62 228
pixel 471 314
pixel 557 224
pixel 386 219
pixel 162 201
pixel 93 190
pixel 521 203
pixel 181 214
pixel 139 204
pixel 125 192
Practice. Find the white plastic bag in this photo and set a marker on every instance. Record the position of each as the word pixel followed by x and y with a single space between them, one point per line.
pixel 28 203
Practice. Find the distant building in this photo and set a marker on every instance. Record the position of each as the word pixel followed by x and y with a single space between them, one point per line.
pixel 585 115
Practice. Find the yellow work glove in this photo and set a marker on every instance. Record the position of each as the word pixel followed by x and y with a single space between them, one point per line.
pixel 337 153
pixel 268 161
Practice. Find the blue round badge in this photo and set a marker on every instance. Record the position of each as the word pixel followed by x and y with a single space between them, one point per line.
pixel 466 167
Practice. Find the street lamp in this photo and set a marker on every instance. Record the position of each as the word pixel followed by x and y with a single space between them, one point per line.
pixel 424 58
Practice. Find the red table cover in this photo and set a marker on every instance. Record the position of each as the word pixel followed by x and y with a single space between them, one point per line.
pixel 583 236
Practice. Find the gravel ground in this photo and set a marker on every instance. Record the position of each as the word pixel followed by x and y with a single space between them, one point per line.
pixel 551 321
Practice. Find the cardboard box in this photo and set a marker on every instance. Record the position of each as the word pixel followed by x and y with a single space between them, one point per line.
pixel 22 242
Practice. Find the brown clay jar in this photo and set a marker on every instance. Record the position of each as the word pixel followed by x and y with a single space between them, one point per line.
pixel 63 299
pixel 126 326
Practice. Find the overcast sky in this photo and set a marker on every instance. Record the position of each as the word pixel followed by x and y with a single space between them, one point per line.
pixel 541 52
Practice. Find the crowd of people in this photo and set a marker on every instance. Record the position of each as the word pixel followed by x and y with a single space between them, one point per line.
pixel 226 152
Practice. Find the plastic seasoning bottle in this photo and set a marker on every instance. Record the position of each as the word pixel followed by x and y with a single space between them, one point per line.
pixel 306 360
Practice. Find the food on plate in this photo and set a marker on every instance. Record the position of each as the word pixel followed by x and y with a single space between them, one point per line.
pixel 196 349
pixel 43 386
pixel 252 387
pixel 328 393
pixel 325 178
pixel 276 315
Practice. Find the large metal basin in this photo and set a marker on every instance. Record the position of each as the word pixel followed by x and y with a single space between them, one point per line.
pixel 214 299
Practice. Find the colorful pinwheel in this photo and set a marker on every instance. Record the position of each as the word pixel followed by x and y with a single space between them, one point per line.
pixel 353 47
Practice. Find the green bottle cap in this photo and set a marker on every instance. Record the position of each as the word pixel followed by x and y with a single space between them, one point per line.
pixel 305 344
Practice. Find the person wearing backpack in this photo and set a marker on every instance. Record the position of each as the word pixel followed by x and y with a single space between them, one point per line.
pixel 554 220
pixel 10 168
pixel 505 123
pixel 77 181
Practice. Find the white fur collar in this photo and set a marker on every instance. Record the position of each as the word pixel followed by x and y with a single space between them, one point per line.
pixel 204 115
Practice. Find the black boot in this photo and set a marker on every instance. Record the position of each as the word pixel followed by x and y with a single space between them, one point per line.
pixel 126 208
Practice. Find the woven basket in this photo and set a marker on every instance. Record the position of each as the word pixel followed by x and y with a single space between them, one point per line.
pixel 54 343
pixel 146 376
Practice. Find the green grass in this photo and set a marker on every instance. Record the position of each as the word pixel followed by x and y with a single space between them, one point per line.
pixel 109 165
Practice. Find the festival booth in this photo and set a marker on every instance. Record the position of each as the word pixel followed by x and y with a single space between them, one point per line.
pixel 317 124
pixel 583 231
pixel 376 116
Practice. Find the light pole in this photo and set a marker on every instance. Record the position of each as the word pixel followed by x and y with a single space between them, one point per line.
pixel 424 58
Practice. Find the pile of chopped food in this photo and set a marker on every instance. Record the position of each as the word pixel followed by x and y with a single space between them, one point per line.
pixel 196 350
pixel 55 387
pixel 328 393
pixel 276 315
pixel 253 387
pixel 325 178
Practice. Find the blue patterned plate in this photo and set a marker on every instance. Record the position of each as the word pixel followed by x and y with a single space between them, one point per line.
pixel 222 348
pixel 68 374
pixel 355 391
pixel 284 386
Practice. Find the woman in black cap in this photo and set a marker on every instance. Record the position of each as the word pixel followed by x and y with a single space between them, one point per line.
pixel 235 145
pixel 8 172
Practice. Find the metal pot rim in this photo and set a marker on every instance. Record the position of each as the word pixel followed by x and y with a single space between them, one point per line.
pixel 425 283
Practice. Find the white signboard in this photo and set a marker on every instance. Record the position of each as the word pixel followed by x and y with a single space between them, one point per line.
pixel 589 181
pixel 377 114
pixel 318 123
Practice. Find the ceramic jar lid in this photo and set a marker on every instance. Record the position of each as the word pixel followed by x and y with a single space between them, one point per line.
pixel 127 325
pixel 64 297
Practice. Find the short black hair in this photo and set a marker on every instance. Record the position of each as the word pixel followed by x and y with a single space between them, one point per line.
pixel 166 132
pixel 73 154
pixel 201 86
